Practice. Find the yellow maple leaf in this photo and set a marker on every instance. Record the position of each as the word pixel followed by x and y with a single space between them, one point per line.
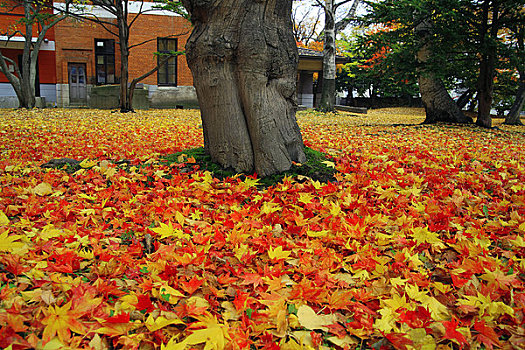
pixel 387 321
pixel 305 198
pixel 60 320
pixel 423 235
pixel 310 320
pixel 438 311
pixel 86 163
pixel 329 164
pixel 42 189
pixel 8 243
pixel 213 336
pixel 519 241
pixel 397 302
pixel 168 231
pixel 269 207
pixel 499 278
pixel 278 253
pixel 180 218
pixel 488 308
pixel 4 220
pixel 414 293
pixel 160 322
pixel 165 292
pixel 249 182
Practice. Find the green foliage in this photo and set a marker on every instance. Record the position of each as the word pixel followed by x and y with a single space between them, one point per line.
pixel 173 6
pixel 373 72
pixel 457 37
pixel 315 166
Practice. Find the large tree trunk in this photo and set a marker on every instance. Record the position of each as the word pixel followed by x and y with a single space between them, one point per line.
pixel 488 63
pixel 23 79
pixel 513 116
pixel 327 103
pixel 28 69
pixel 485 89
pixel 439 106
pixel 123 33
pixel 243 58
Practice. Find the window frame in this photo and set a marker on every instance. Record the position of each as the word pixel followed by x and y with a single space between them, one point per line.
pixel 163 73
pixel 106 52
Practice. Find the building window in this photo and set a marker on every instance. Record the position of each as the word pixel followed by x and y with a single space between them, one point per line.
pixel 105 61
pixel 167 74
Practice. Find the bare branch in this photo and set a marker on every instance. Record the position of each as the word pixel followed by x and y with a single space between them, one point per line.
pixel 152 39
pixel 343 23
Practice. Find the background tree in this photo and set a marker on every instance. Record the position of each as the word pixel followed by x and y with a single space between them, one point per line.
pixel 518 61
pixel 331 28
pixel 372 71
pixel 450 39
pixel 243 58
pixel 306 24
pixel 121 28
pixel 37 19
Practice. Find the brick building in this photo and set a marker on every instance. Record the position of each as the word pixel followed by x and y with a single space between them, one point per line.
pixel 13 48
pixel 79 55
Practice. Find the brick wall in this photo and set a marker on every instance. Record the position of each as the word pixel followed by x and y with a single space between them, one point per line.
pixel 75 43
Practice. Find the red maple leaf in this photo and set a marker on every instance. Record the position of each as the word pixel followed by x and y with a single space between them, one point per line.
pixel 192 285
pixel 398 340
pixel 486 335
pixel 144 303
pixel 120 318
pixel 452 333
pixel 419 318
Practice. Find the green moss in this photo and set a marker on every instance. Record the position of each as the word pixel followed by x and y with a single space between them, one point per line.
pixel 316 167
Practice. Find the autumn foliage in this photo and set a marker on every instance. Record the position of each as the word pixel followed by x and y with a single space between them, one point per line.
pixel 418 245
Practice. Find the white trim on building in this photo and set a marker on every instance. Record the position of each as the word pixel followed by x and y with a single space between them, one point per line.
pixel 17 42
pixel 149 8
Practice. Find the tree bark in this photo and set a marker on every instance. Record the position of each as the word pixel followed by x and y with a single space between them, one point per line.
pixel 488 63
pixel 123 34
pixel 327 103
pixel 513 116
pixel 243 58
pixel 465 98
pixel 24 81
pixel 439 106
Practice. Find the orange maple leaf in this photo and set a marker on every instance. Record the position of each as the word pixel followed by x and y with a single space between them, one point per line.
pixel 61 321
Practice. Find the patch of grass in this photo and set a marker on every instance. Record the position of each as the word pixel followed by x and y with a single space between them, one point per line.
pixel 317 166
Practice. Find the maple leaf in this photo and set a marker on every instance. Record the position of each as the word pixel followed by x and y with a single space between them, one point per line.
pixel 305 198
pixel 160 322
pixel 166 231
pixel 61 321
pixel 167 293
pixel 43 189
pixel 486 335
pixel 192 285
pixel 498 278
pixel 399 340
pixel 310 320
pixel 4 220
pixel 214 336
pixel 452 333
pixel 9 243
pixel 423 235
pixel 278 253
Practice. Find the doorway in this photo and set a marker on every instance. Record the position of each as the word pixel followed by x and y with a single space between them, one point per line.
pixel 77 83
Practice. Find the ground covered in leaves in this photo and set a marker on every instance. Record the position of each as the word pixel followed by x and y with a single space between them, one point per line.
pixel 417 245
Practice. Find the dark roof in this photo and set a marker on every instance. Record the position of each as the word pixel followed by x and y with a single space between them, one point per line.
pixel 310 54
